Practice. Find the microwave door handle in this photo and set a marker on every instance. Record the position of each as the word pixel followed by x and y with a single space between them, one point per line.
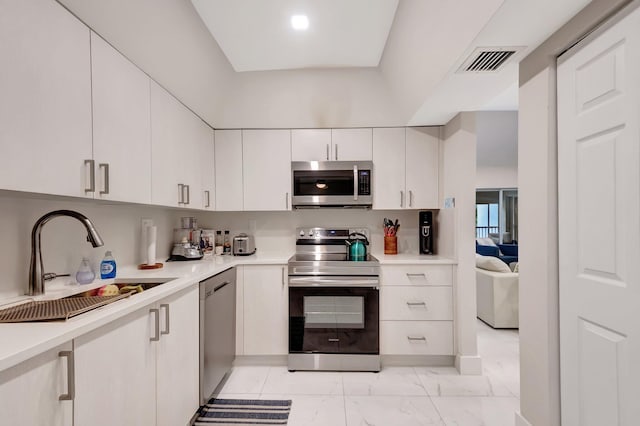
pixel 355 183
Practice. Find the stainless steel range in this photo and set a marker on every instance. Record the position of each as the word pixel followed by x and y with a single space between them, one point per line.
pixel 333 304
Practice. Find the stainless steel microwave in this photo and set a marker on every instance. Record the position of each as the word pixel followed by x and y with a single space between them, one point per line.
pixel 339 184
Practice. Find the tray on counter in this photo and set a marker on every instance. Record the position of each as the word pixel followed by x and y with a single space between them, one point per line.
pixel 59 309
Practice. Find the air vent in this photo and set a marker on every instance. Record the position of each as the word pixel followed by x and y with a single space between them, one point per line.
pixel 488 59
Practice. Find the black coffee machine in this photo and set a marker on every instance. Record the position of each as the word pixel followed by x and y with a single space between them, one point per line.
pixel 425 229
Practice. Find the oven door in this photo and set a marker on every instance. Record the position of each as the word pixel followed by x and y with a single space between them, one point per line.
pixel 339 316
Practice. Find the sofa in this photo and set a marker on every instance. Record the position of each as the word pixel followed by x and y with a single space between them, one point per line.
pixel 508 253
pixel 497 294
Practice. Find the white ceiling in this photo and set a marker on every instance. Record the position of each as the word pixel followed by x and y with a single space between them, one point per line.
pixel 256 35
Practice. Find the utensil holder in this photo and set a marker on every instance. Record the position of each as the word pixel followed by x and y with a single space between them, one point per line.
pixel 391 245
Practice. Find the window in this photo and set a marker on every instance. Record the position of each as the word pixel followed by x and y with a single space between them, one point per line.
pixel 486 220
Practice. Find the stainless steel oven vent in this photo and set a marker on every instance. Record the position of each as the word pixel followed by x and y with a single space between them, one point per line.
pixel 488 59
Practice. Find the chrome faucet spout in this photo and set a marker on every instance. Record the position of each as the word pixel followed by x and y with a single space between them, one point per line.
pixel 36 272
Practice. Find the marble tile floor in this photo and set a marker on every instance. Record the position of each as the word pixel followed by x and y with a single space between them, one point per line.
pixel 397 396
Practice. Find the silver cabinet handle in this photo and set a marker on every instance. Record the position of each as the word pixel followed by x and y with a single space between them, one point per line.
pixel 401 198
pixel 417 304
pixel 156 313
pixel 416 275
pixel 92 176
pixel 208 195
pixel 180 193
pixel 327 152
pixel 188 195
pixel 410 198
pixel 355 179
pixel 413 339
pixel 283 283
pixel 167 329
pixel 334 340
pixel 105 168
pixel 336 145
pixel 286 201
pixel 71 376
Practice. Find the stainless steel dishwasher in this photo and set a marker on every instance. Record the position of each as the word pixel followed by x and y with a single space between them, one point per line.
pixel 217 330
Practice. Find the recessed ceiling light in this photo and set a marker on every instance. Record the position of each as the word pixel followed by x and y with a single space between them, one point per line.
pixel 300 22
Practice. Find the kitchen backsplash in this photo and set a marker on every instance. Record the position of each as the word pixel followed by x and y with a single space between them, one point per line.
pixel 64 239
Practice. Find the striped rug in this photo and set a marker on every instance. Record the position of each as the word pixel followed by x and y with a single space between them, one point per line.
pixel 234 412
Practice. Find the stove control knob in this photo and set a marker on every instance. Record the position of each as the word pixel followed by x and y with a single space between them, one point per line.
pixel 310 233
pixel 302 233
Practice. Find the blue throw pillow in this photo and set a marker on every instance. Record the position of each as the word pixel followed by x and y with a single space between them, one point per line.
pixel 487 250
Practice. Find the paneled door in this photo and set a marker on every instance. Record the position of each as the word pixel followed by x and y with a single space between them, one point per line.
pixel 599 226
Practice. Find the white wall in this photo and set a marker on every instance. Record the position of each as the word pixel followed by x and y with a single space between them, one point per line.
pixel 459 164
pixel 311 98
pixel 497 154
pixel 64 239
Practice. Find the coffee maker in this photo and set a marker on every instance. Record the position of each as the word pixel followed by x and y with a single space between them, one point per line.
pixel 425 230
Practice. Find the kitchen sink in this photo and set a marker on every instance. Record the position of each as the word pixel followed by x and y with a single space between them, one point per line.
pixel 76 304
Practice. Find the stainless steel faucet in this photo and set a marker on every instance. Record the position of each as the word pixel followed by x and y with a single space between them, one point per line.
pixel 36 274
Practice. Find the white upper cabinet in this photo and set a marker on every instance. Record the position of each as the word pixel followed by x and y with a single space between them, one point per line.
pixel 121 126
pixel 351 144
pixel 207 170
pixel 405 174
pixel 266 161
pixel 177 136
pixel 45 99
pixel 228 170
pixel 422 153
pixel 331 144
pixel 310 144
pixel 389 168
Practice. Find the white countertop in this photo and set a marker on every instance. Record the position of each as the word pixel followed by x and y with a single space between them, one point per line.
pixel 21 341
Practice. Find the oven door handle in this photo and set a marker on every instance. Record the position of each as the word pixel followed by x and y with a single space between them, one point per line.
pixel 333 282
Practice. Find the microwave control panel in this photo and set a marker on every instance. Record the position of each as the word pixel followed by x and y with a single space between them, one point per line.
pixel 364 182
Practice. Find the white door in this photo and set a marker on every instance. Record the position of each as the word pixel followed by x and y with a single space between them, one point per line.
pixel 422 158
pixel 266 310
pixel 178 358
pixel 599 233
pixel 389 168
pixel 116 368
pixel 266 168
pixel 351 144
pixel 228 170
pixel 310 144
pixel 45 99
pixel 30 391
pixel 121 126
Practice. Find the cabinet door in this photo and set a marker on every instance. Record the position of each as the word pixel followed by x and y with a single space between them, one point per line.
pixel 207 169
pixel 228 170
pixel 29 392
pixel 389 168
pixel 266 156
pixel 310 144
pixel 167 157
pixel 178 358
pixel 352 144
pixel 45 99
pixel 422 167
pixel 116 373
pixel 121 126
pixel 265 310
pixel 196 136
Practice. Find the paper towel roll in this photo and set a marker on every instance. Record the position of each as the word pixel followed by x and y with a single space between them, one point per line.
pixel 144 232
pixel 152 235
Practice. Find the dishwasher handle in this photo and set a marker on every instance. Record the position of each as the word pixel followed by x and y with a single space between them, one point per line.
pixel 224 284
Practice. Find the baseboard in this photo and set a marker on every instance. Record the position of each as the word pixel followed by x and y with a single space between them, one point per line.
pixel 268 360
pixel 417 360
pixel 469 365
pixel 521 421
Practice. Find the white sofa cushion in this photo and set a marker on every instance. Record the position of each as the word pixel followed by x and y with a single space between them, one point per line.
pixel 497 298
pixel 491 263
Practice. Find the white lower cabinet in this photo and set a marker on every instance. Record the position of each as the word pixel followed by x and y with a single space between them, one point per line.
pixel 265 310
pixel 141 369
pixel 30 392
pixel 416 310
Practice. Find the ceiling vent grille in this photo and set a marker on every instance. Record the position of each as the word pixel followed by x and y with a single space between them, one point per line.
pixel 488 59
